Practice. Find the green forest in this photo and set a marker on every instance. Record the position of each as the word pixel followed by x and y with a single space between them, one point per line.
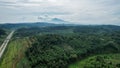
pixel 66 47
pixel 51 49
pixel 2 35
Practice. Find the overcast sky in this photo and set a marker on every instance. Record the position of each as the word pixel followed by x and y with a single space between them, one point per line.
pixel 76 11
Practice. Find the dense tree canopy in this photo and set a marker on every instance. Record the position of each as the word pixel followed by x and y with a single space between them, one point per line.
pixel 57 51
pixel 59 46
pixel 2 32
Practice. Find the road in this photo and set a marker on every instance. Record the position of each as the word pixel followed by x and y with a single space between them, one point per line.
pixel 5 43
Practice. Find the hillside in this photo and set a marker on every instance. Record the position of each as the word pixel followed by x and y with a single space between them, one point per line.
pixel 23 25
pixel 60 46
pixel 99 61
pixel 2 35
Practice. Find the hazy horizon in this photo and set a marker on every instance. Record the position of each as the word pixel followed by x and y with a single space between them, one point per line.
pixel 76 12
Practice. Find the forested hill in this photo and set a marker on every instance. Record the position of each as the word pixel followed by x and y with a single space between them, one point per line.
pixel 58 51
pixel 2 35
pixel 21 25
pixel 2 32
pixel 59 46
pixel 81 29
pixel 47 24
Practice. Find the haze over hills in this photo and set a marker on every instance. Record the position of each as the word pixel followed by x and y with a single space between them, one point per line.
pixel 58 21
pixel 52 22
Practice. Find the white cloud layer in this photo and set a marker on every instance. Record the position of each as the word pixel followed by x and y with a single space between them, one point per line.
pixel 76 11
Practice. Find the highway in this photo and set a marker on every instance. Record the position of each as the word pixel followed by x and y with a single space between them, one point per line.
pixel 5 43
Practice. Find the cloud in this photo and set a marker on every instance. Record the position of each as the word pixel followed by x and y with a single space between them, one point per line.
pixel 77 11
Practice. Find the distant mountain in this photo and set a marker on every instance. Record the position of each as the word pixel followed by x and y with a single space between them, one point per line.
pixel 58 21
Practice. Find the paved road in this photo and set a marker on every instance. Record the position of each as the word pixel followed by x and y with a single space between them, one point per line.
pixel 4 45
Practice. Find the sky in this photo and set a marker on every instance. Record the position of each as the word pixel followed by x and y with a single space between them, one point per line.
pixel 74 11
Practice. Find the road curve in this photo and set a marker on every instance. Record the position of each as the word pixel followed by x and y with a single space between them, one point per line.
pixel 5 43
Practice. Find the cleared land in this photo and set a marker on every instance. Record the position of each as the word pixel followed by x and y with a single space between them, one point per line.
pixel 5 43
pixel 14 53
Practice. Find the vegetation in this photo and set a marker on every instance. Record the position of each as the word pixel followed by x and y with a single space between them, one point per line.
pixel 56 51
pixel 2 32
pixel 2 35
pixel 14 53
pixel 25 25
pixel 61 46
pixel 25 32
pixel 99 61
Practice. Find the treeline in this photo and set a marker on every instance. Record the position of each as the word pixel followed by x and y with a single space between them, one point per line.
pixel 23 32
pixel 58 51
pixel 96 29
pixel 30 31
pixel 2 32
pixel 24 25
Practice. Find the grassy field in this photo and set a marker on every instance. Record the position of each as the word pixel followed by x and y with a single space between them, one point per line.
pixel 14 53
pixel 108 60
